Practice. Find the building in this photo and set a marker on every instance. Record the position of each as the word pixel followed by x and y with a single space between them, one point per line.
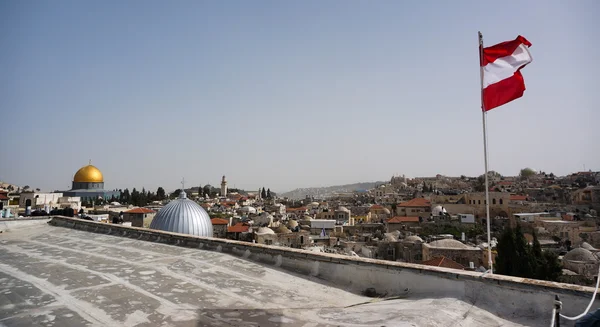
pixel 581 261
pixel 378 213
pixel 419 207
pixel 223 187
pixel 442 261
pixel 343 216
pixel 455 250
pixel 184 216
pixel 219 227
pixel 88 184
pixel 139 217
pixel 401 223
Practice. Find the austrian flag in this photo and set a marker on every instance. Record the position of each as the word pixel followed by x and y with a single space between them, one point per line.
pixel 502 79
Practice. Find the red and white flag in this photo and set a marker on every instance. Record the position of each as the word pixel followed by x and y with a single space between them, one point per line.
pixel 502 79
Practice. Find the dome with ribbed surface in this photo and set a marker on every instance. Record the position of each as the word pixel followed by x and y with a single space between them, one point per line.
pixel 183 216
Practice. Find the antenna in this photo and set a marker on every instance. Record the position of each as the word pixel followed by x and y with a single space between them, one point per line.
pixel 183 183
pixel 90 162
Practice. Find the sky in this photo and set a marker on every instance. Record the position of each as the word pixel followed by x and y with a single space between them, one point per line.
pixel 288 94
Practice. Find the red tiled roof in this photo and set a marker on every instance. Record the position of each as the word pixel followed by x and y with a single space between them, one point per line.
pixel 206 205
pixel 443 262
pixel 376 206
pixel 238 228
pixel 417 202
pixel 140 210
pixel 505 183
pixel 3 196
pixel 518 197
pixel 219 221
pixel 398 220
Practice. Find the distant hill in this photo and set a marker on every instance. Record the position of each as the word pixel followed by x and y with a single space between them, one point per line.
pixel 321 192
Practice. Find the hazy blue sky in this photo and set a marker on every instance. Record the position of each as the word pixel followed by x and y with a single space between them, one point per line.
pixel 288 94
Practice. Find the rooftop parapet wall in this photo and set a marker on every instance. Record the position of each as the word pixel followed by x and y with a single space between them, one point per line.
pixel 507 297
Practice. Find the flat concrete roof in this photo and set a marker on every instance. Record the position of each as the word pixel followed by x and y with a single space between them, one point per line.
pixel 52 276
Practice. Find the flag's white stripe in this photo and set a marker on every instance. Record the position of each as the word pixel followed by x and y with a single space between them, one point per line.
pixel 505 67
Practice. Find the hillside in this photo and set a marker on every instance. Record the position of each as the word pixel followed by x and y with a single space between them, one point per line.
pixel 321 192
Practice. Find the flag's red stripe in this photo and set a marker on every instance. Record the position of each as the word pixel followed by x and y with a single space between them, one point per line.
pixel 490 54
pixel 504 91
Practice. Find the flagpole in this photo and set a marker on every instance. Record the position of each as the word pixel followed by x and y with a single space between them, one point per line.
pixel 485 154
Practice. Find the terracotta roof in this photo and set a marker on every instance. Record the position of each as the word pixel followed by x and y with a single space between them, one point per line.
pixel 417 202
pixel 140 210
pixel 3 196
pixel 518 197
pixel 398 220
pixel 376 206
pixel 505 183
pixel 238 228
pixel 443 262
pixel 219 221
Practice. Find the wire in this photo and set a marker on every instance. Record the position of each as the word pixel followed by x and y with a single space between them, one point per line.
pixel 591 302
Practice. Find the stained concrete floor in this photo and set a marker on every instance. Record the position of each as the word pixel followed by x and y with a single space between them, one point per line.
pixel 52 276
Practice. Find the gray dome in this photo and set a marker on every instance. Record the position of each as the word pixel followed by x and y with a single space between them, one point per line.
pixel 579 254
pixel 413 239
pixel 344 209
pixel 448 243
pixel 184 216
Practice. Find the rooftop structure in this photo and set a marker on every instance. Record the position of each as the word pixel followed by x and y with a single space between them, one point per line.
pixel 72 277
pixel 88 183
pixel 184 216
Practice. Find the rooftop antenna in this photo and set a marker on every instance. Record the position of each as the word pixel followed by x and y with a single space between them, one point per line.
pixel 183 183
pixel 91 162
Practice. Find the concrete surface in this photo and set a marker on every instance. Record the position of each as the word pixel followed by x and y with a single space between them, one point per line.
pixel 52 276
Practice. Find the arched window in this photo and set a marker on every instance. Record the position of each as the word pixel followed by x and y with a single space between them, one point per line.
pixel 493 201
pixel 501 201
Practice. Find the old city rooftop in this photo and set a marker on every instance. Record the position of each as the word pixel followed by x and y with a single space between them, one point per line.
pixel 70 277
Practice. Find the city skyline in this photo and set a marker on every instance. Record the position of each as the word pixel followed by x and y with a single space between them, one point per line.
pixel 287 95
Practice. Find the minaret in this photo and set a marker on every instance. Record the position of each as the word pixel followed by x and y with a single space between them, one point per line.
pixel 223 186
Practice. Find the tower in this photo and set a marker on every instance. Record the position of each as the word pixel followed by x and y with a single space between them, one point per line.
pixel 223 186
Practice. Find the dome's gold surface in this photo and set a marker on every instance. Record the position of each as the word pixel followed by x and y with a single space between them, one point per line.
pixel 88 174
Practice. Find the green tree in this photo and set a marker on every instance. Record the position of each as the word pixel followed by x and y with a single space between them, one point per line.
pixel 517 258
pixel 525 173
pixel 175 194
pixel 268 193
pixel 263 193
pixel 206 189
pixel 160 193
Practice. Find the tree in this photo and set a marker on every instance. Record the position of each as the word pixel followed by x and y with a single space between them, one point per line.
pixel 525 173
pixel 517 258
pixel 268 193
pixel 160 194
pixel 176 193
pixel 263 193
pixel 207 189
pixel 125 196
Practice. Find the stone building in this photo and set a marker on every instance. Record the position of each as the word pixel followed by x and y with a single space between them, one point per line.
pixel 582 262
pixel 454 250
pixel 410 249
pixel 219 227
pixel 401 223
pixel 139 217
pixel 418 207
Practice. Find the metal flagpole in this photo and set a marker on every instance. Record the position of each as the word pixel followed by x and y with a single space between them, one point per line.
pixel 485 154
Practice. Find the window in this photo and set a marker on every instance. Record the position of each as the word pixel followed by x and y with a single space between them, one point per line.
pixel 479 201
pixel 493 201
pixel 501 201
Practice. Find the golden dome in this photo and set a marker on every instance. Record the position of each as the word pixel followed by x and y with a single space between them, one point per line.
pixel 88 174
